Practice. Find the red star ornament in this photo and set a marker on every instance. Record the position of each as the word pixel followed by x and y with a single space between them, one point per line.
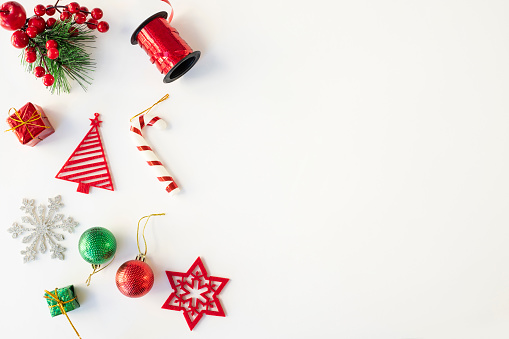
pixel 195 293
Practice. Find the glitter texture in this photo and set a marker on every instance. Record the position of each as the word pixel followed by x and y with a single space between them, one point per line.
pixel 97 245
pixel 43 232
pixel 134 278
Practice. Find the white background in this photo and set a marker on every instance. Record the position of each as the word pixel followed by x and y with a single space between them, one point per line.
pixel 344 163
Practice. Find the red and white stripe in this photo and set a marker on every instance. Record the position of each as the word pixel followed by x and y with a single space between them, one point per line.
pixel 87 165
pixel 151 158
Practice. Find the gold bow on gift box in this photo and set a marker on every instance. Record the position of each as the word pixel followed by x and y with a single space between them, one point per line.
pixel 60 304
pixel 34 117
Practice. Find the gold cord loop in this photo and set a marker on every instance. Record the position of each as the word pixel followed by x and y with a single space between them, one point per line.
pixel 142 255
pixel 96 270
pixel 148 109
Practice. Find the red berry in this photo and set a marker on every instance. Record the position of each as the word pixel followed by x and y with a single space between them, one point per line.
pixel 39 71
pixel 50 10
pixel 48 80
pixel 65 15
pixel 103 27
pixel 19 39
pixel 52 53
pixel 32 32
pixel 92 24
pixel 12 15
pixel 30 55
pixel 40 10
pixel 97 13
pixel 38 23
pixel 50 22
pixel 51 44
pixel 84 9
pixel 80 18
pixel 73 7
pixel 73 31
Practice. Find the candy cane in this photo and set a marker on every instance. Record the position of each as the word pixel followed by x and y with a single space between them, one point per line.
pixel 153 161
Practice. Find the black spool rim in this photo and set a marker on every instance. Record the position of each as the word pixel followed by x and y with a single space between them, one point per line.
pixel 134 37
pixel 182 67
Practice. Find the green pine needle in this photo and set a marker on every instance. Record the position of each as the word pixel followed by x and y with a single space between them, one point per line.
pixel 73 62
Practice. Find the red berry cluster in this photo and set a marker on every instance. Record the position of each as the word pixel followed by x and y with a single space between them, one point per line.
pixel 13 17
pixel 81 14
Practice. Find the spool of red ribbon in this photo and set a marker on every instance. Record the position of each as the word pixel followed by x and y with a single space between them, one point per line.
pixel 167 50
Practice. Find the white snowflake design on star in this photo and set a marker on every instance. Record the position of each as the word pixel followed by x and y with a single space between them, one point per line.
pixel 42 232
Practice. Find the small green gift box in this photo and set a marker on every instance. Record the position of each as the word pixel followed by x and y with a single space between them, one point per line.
pixel 61 298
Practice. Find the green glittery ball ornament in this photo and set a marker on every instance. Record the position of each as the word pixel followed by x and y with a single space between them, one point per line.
pixel 97 245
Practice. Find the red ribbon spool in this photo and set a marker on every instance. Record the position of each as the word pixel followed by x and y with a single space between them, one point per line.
pixel 167 50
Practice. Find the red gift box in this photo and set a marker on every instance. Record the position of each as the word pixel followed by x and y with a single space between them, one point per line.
pixel 30 124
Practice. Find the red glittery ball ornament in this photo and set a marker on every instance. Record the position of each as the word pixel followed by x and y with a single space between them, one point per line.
pixel 134 278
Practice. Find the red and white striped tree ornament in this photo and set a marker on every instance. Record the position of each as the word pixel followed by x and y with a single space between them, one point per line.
pixel 87 165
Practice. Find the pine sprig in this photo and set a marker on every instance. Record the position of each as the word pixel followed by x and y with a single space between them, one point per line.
pixel 73 62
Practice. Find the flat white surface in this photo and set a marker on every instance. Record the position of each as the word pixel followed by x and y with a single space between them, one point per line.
pixel 344 163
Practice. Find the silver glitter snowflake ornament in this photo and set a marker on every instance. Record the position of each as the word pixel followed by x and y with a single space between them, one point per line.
pixel 42 232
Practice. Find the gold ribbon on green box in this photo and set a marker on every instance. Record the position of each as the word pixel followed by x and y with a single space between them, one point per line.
pixel 61 301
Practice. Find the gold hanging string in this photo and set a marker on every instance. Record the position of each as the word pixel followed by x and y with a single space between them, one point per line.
pixel 96 270
pixel 61 304
pixel 142 255
pixel 148 109
pixel 34 117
